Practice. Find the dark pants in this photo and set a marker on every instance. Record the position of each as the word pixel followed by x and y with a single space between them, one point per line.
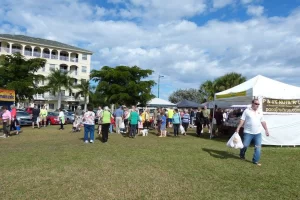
pixel 61 125
pixel 146 125
pixel 133 128
pixel 6 128
pixel 105 128
pixel 13 125
pixel 185 126
pixel 199 129
pixel 158 125
pixel 176 129
pixel 126 124
pixel 89 130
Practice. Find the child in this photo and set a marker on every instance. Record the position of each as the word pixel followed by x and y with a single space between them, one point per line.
pixel 140 123
pixel 112 124
pixel 163 131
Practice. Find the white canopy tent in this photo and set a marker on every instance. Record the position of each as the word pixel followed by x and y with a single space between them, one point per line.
pixel 284 128
pixel 157 102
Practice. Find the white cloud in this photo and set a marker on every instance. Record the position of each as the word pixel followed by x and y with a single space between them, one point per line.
pixel 255 10
pixel 184 52
pixel 222 3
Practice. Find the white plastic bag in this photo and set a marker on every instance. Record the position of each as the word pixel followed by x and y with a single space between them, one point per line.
pixel 122 125
pixel 235 141
pixel 182 131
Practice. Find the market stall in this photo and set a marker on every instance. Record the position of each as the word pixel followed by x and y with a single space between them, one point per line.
pixel 7 98
pixel 280 104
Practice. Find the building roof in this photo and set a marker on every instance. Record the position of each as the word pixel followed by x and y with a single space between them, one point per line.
pixel 50 43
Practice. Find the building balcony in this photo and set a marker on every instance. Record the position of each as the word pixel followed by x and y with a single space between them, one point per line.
pixel 37 54
pixel 27 53
pixel 16 51
pixel 46 55
pixel 54 57
pixel 64 58
pixel 64 70
pixel 4 49
pixel 74 59
pixel 63 98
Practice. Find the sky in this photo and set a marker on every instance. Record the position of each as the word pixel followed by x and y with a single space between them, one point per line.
pixel 187 42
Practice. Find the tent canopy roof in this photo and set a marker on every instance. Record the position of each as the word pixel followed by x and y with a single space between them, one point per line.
pixel 265 87
pixel 188 104
pixel 159 102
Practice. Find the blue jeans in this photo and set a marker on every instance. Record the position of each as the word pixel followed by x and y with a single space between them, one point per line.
pixel 89 129
pixel 257 146
pixel 133 130
pixel 111 128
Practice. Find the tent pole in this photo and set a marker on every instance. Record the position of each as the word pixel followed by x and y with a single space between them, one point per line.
pixel 211 126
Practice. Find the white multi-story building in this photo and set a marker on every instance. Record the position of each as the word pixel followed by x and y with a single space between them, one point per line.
pixel 61 56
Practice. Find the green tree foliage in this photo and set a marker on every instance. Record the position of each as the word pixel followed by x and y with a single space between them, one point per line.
pixel 58 81
pixel 83 90
pixel 19 74
pixel 123 84
pixel 188 94
pixel 209 88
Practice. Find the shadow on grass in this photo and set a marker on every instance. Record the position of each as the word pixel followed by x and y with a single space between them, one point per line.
pixel 221 154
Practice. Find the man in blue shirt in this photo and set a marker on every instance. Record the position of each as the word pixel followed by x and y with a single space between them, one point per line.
pixel 119 114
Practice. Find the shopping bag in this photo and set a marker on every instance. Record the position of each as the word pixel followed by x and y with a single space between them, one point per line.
pixel 235 141
pixel 122 125
pixel 182 131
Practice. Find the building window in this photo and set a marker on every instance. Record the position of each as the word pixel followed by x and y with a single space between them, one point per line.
pixel 52 66
pixel 84 56
pixel 51 106
pixel 63 93
pixel 43 68
pixel 43 82
pixel 83 80
pixel 83 69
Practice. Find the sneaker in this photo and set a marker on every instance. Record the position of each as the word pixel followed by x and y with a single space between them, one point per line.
pixel 86 141
pixel 91 141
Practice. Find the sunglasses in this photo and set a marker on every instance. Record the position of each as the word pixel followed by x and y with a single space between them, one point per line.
pixel 256 104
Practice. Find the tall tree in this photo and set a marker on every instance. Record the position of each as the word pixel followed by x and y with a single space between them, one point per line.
pixel 83 90
pixel 124 84
pixel 209 88
pixel 19 74
pixel 57 81
pixel 188 94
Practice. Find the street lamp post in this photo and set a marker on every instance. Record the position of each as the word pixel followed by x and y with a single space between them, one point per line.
pixel 159 76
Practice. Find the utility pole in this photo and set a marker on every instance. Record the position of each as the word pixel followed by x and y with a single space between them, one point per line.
pixel 159 76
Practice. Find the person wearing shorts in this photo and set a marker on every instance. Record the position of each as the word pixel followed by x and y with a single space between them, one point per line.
pixel 35 116
pixel 206 122
pixel 163 131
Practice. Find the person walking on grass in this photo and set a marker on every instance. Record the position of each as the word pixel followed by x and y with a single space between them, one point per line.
pixel 199 121
pixel 163 126
pixel 118 114
pixel 185 120
pixel 35 116
pixel 43 116
pixel 105 123
pixel 6 118
pixel 176 121
pixel 252 120
pixel 206 114
pixel 133 119
pixel 61 117
pixel 99 116
pixel 89 125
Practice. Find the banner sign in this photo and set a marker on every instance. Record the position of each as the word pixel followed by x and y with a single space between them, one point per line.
pixel 7 95
pixel 281 105
pixel 236 94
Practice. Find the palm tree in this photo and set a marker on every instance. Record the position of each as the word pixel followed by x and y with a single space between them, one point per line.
pixel 83 90
pixel 58 80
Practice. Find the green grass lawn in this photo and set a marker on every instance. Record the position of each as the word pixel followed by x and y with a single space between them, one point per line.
pixel 50 164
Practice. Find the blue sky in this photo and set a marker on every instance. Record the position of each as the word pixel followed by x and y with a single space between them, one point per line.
pixel 188 41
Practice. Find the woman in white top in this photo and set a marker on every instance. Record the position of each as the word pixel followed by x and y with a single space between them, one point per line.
pixel 61 118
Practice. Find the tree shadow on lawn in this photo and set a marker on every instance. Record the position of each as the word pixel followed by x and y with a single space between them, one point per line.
pixel 221 154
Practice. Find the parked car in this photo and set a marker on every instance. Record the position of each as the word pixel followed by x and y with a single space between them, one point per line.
pixel 69 116
pixel 24 118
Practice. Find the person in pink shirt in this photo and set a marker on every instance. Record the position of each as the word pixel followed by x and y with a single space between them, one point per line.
pixel 6 118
